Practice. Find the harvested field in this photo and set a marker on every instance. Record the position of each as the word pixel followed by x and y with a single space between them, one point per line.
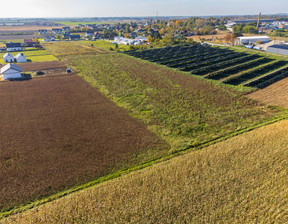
pixel 59 132
pixel 275 94
pixel 241 180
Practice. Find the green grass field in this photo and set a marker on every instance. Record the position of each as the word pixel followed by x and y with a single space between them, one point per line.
pixel 34 56
pixel 241 180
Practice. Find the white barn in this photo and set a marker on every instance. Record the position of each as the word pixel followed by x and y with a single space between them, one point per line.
pixel 8 57
pixel 253 39
pixel 11 71
pixel 20 58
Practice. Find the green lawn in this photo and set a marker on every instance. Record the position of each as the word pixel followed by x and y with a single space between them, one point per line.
pixel 34 56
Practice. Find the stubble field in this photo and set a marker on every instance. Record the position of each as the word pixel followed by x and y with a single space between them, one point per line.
pixel 60 132
pixel 241 180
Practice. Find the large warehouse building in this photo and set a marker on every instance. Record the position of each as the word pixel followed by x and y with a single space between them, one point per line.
pixel 278 49
pixel 252 39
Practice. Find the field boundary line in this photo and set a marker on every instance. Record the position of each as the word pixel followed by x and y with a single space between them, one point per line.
pixel 100 180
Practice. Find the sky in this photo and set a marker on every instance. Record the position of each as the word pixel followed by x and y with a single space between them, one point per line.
pixel 114 8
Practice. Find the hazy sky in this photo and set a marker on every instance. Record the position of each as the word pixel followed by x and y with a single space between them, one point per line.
pixel 104 8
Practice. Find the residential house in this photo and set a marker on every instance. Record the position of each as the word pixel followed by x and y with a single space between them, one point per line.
pixel 13 47
pixel 28 43
pixel 42 32
pixel 66 35
pixel 49 38
pixel 56 31
pixel 20 58
pixel 74 37
pixel 11 71
pixel 66 28
pixel 97 36
pixel 8 57
pixel 89 33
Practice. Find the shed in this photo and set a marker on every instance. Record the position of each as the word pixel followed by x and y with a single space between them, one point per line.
pixel 11 71
pixel 8 57
pixel 253 39
pixel 20 58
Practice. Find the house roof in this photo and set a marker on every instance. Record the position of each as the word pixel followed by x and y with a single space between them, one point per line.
pixel 11 45
pixel 254 37
pixel 7 54
pixel 20 55
pixel 11 66
pixel 74 36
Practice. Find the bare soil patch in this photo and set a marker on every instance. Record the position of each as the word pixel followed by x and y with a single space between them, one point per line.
pixel 58 132
pixel 275 94
pixel 36 66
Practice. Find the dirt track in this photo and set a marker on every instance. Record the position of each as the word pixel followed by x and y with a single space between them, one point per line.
pixel 58 132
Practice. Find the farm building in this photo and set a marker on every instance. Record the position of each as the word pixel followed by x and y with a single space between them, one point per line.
pixel 11 71
pixel 8 57
pixel 20 58
pixel 13 47
pixel 252 39
pixel 278 49
pixel 74 37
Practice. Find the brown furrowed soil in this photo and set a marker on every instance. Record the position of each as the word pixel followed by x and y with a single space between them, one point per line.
pixel 59 132
pixel 36 66
pixel 275 94
pixel 241 180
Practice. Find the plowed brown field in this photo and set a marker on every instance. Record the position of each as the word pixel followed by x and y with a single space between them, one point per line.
pixel 275 94
pixel 59 132
pixel 35 66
